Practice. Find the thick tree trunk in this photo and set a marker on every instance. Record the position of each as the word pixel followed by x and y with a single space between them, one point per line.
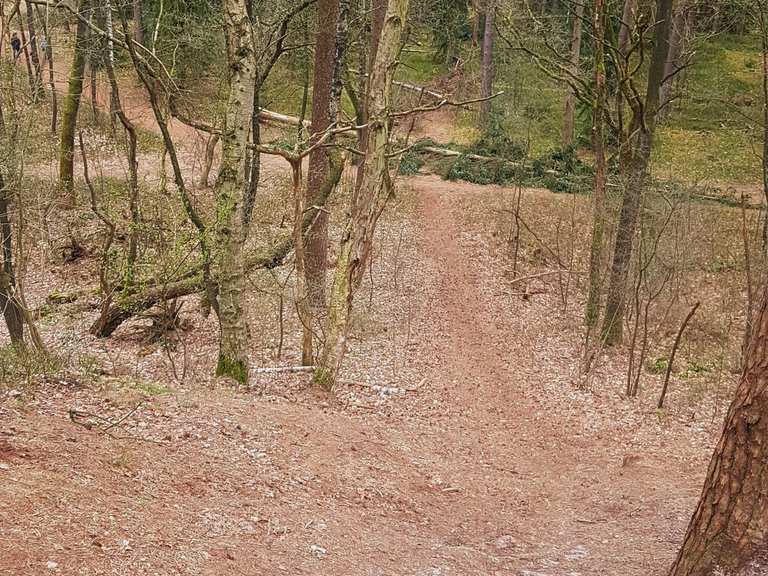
pixel 728 533
pixel 636 157
pixel 70 108
pixel 368 202
pixel 570 97
pixel 230 230
pixel 592 311
pixel 317 242
pixel 486 65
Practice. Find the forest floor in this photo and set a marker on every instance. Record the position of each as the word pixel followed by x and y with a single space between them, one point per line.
pixel 487 455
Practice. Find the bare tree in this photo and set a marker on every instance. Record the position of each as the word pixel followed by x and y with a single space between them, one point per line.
pixel 592 309
pixel 71 106
pixel 317 242
pixel 368 201
pixel 635 155
pixel 570 97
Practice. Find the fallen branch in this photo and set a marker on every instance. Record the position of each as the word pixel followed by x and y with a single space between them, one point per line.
pixel 280 369
pixel 674 351
pixel 448 153
pixel 194 281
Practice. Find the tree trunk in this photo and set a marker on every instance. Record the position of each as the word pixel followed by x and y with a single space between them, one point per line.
pixel 592 311
pixel 636 157
pixel 138 24
pixel 70 108
pixel 230 187
pixel 763 21
pixel 486 66
pixel 570 98
pixel 628 19
pixel 14 317
pixel 369 200
pixel 317 241
pixel 131 157
pixel 25 49
pixel 51 82
pixel 676 40
pixel 728 532
pixel 33 52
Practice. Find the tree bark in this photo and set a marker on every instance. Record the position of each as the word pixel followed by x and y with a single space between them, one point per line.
pixel 486 66
pixel 763 21
pixel 592 311
pixel 138 24
pixel 317 241
pixel 33 52
pixel 369 200
pixel 728 533
pixel 635 159
pixel 9 304
pixel 628 18
pixel 570 97
pixel 51 81
pixel 676 40
pixel 70 108
pixel 230 229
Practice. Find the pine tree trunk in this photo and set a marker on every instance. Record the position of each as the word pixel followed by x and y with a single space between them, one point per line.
pixel 317 241
pixel 728 533
pixel 70 108
pixel 635 159
pixel 570 97
pixel 486 66
pixel 368 202
pixel 230 230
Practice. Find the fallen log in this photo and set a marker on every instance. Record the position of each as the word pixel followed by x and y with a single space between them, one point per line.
pixel 448 153
pixel 277 118
pixel 129 305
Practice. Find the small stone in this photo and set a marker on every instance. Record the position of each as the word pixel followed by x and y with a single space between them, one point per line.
pixel 318 551
pixel 4 466
pixel 505 542
pixel 51 565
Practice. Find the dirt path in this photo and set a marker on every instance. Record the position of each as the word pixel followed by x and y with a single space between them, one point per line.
pixel 477 473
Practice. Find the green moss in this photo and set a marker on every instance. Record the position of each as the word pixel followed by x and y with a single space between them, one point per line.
pixel 324 378
pixel 233 368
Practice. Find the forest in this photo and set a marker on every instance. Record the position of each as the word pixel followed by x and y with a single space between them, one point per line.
pixel 384 287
